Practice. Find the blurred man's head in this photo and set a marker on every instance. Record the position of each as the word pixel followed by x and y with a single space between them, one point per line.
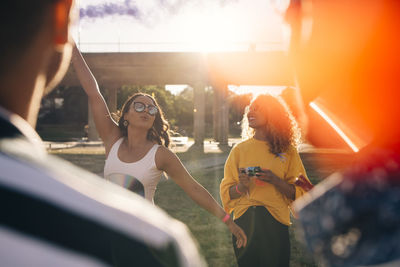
pixel 347 58
pixel 35 52
pixel 39 26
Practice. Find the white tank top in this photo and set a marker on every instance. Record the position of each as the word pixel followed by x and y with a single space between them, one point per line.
pixel 125 174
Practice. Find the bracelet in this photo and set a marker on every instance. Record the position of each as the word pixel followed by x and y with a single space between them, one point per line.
pixel 226 218
pixel 237 190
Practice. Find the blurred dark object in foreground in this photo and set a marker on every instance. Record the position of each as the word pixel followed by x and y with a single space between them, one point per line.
pixel 353 218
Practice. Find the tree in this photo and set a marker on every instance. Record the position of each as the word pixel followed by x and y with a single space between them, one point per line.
pixel 184 110
pixel 237 105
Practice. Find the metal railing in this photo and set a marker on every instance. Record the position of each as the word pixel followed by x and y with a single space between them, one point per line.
pixel 178 47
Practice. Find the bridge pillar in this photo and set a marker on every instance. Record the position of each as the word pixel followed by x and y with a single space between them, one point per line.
pixel 221 113
pixel 199 114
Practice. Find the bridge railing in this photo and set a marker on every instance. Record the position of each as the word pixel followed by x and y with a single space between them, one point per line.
pixel 178 47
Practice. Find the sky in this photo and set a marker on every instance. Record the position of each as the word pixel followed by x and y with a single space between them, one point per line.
pixel 184 26
pixel 180 25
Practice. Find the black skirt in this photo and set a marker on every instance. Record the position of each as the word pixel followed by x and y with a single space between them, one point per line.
pixel 267 240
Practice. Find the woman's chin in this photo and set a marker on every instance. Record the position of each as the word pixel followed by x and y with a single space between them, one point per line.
pixel 252 125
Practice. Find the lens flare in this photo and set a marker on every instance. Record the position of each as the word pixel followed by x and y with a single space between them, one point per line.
pixel 331 122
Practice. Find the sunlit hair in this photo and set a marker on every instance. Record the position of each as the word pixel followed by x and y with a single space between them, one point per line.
pixel 281 128
pixel 158 132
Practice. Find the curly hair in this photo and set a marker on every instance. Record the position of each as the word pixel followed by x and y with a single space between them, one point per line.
pixel 281 128
pixel 158 132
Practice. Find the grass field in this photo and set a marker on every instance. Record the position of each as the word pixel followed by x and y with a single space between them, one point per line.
pixel 213 237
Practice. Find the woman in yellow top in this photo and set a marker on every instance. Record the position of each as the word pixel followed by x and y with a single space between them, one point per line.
pixel 260 201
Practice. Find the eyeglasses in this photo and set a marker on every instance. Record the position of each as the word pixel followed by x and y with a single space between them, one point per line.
pixel 141 107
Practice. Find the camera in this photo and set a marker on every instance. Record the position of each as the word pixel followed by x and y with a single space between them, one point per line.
pixel 253 171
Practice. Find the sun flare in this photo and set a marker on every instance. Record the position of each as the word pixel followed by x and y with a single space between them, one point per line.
pixel 204 26
pixel 215 32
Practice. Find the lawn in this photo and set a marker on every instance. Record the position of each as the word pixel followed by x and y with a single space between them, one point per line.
pixel 213 237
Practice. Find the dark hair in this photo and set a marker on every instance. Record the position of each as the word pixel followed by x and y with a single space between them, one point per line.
pixel 20 22
pixel 159 131
pixel 281 127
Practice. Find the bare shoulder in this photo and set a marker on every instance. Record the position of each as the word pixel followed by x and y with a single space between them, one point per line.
pixel 164 157
pixel 164 152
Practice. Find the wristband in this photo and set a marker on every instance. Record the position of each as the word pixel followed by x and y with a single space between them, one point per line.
pixel 226 218
pixel 237 190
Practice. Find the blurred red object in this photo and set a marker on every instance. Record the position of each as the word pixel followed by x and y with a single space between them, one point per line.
pixel 303 183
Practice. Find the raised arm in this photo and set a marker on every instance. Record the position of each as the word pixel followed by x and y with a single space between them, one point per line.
pixel 167 161
pixel 105 125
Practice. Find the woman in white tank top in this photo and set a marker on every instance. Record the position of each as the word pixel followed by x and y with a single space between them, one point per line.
pixel 137 148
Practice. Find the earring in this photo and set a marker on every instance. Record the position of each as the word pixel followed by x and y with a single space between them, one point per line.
pixel 125 123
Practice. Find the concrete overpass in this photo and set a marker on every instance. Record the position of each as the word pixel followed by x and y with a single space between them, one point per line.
pixel 198 70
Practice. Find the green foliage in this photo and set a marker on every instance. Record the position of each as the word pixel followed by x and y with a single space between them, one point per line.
pixel 184 109
pixel 237 105
pixel 72 108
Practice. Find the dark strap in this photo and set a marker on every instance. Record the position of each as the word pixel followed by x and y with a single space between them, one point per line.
pixel 7 130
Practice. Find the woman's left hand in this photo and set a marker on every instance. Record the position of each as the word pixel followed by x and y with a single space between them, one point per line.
pixel 241 238
pixel 267 176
